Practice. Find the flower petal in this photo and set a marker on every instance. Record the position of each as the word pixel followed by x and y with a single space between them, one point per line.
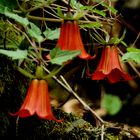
pixel 43 108
pixel 29 104
pixel 70 39
pixel 110 66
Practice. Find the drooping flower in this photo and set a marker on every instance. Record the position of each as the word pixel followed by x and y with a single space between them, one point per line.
pixel 70 38
pixel 110 66
pixel 37 102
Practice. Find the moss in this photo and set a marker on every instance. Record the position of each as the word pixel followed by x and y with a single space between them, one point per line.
pixel 13 89
pixel 12 92
pixel 4 124
pixel 72 127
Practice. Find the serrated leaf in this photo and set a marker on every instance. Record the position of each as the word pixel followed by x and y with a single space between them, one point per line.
pixel 18 54
pixel 35 32
pixel 134 56
pixel 52 34
pixel 17 18
pixel 111 103
pixel 59 56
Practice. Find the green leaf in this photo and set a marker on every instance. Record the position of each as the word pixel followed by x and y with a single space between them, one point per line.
pixel 59 13
pixel 92 25
pixel 133 54
pixel 89 8
pixel 17 18
pixel 52 34
pixel 99 12
pixel 38 2
pixel 9 46
pixel 75 4
pixel 18 54
pixel 25 73
pixel 132 49
pixel 35 32
pixel 78 15
pixel 59 56
pixel 50 1
pixel 92 9
pixel 8 3
pixel 116 40
pixel 112 9
pixel 111 103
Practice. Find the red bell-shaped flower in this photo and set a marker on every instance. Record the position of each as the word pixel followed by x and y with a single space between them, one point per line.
pixel 110 66
pixel 37 101
pixel 70 38
pixel 43 107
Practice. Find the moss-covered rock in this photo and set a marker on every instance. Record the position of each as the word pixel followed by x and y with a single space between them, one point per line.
pixel 13 86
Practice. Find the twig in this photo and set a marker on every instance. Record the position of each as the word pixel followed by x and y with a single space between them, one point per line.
pixel 70 90
pixel 134 69
pixel 54 19
pixel 80 100
pixel 136 39
pixel 17 121
pixel 102 132
pixel 44 19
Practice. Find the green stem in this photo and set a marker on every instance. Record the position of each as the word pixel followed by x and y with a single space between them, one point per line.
pixel 25 73
pixel 44 19
pixel 39 72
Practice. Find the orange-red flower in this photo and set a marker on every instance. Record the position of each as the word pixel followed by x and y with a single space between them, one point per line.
pixel 37 101
pixel 110 66
pixel 70 38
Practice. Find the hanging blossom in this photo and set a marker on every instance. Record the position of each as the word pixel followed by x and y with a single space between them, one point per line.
pixel 37 102
pixel 70 38
pixel 110 66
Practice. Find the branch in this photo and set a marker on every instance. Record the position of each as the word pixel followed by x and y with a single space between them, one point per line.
pixel 66 86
